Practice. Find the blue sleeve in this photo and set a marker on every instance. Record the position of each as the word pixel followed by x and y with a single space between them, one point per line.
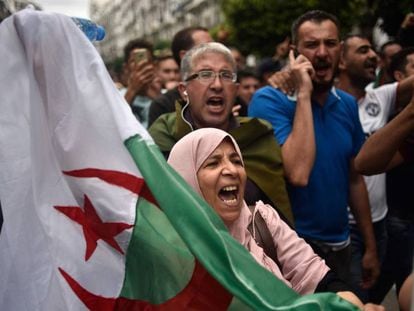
pixel 272 105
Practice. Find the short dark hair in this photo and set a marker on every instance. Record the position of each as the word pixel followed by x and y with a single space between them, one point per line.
pixel 137 44
pixel 183 40
pixel 399 60
pixel 316 16
pixel 349 37
pixel 162 58
pixel 246 73
pixel 385 45
pixel 267 66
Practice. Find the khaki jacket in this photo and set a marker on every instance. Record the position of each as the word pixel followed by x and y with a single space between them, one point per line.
pixel 261 153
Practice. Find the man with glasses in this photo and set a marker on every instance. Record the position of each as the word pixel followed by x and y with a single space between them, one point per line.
pixel 209 89
pixel 183 41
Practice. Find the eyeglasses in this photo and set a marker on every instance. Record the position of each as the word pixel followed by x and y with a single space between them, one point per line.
pixel 208 76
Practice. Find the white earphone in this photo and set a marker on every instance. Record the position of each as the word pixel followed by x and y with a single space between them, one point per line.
pixel 185 93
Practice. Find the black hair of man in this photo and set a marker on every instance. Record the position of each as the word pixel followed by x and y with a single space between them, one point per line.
pixel 162 58
pixel 137 44
pixel 315 16
pixel 399 60
pixel 385 45
pixel 183 40
pixel 348 37
pixel 267 67
pixel 246 73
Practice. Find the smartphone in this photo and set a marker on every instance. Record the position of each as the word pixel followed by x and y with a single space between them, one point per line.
pixel 140 55
pixel 296 53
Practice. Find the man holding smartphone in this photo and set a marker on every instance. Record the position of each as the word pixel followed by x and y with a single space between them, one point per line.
pixel 320 134
pixel 143 84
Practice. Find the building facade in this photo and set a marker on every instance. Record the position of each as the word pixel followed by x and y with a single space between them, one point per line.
pixel 155 21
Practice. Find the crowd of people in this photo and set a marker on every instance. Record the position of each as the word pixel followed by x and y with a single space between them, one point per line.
pixel 313 148
pixel 291 143
pixel 292 149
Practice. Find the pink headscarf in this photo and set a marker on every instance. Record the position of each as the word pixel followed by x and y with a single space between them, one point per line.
pixel 187 156
pixel 189 153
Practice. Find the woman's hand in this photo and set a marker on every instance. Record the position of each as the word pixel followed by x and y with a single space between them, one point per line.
pixel 352 298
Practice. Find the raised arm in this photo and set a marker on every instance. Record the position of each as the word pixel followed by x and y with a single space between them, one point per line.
pixel 405 91
pixel 384 149
pixel 299 149
pixel 140 78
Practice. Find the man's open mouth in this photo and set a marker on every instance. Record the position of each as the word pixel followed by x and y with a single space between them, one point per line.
pixel 215 101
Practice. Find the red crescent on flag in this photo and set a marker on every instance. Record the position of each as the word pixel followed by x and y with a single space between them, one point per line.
pixel 125 180
pixel 203 292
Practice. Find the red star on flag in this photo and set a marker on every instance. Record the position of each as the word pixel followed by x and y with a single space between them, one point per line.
pixel 93 227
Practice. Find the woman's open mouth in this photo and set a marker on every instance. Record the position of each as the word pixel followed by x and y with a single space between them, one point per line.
pixel 229 195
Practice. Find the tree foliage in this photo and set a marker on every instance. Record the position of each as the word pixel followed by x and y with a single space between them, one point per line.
pixel 256 26
pixel 392 14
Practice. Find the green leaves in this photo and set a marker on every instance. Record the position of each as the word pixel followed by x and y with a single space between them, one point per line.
pixel 258 25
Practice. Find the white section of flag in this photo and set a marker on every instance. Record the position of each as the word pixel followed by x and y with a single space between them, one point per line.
pixel 59 111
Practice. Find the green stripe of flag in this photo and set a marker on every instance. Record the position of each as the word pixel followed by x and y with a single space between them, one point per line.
pixel 155 252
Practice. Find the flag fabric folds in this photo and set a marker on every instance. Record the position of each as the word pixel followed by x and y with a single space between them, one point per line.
pixel 94 218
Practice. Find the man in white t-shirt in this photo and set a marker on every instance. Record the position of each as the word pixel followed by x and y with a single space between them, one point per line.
pixel 391 149
pixel 356 70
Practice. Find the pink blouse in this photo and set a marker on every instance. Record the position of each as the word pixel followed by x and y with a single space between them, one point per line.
pixel 300 268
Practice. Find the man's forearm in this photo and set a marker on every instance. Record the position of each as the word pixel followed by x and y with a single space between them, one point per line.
pixel 359 204
pixel 299 149
pixel 405 90
pixel 377 153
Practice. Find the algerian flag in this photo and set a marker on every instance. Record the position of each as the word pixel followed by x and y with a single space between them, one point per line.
pixel 93 216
